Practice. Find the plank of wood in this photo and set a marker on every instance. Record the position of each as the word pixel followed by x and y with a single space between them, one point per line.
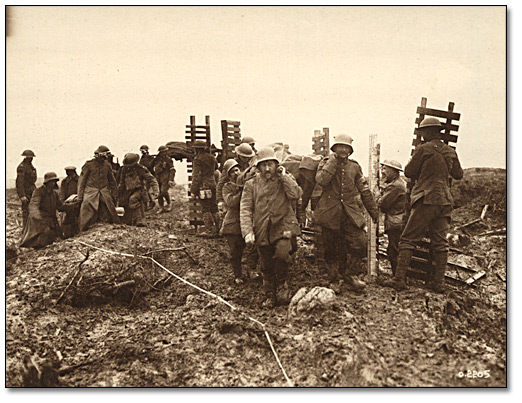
pixel 373 177
pixel 438 113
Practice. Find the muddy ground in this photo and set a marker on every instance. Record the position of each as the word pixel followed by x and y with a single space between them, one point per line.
pixel 77 316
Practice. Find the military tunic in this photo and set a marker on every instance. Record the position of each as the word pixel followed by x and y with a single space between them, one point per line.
pixel 25 185
pixel 96 190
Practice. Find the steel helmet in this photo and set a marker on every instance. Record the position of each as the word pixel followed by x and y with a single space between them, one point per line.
pixel 144 147
pixel 199 144
pixel 244 150
pixel 266 154
pixel 28 153
pixel 342 139
pixel 229 164
pixel 162 148
pixel 50 176
pixel 247 140
pixel 70 168
pixel 130 159
pixel 392 164
pixel 102 150
pixel 430 122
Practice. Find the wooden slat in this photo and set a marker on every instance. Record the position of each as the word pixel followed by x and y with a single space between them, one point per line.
pixel 233 122
pixel 197 126
pixel 438 113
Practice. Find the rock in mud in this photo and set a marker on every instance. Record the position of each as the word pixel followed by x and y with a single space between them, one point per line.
pixel 306 300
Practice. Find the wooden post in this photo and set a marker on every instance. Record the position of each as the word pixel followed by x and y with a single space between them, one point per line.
pixel 373 228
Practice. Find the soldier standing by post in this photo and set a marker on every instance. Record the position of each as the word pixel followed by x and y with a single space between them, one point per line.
pixel 431 166
pixel 392 204
pixel 203 187
pixel 164 172
pixel 25 182
pixel 338 213
pixel 68 188
pixel 97 191
pixel 269 221
pixel 135 179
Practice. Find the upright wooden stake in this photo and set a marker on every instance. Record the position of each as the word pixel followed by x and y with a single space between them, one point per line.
pixel 373 228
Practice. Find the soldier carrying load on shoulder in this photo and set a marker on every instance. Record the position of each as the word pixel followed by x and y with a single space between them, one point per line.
pixel 431 166
pixel 135 179
pixel 25 182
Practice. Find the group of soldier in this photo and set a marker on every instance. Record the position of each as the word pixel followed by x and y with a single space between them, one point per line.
pixel 255 203
pixel 93 195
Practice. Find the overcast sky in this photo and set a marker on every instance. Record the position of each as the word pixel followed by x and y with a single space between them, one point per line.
pixel 78 77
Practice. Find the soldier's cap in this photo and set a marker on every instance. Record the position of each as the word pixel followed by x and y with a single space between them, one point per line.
pixel 28 153
pixel 144 147
pixel 50 176
pixel 342 139
pixel 244 150
pixel 430 122
pixel 162 148
pixel 266 154
pixel 392 164
pixel 247 140
pixel 102 150
pixel 130 159
pixel 70 168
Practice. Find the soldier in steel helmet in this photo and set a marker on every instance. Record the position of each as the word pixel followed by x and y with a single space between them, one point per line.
pixel 164 172
pixel 268 221
pixel 25 182
pixel 231 228
pixel 135 179
pixel 147 161
pixel 392 204
pixel 339 214
pixel 244 155
pixel 42 224
pixel 69 188
pixel 203 187
pixel 97 191
pixel 431 166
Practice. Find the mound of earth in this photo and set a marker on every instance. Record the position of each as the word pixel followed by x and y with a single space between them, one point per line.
pixel 81 316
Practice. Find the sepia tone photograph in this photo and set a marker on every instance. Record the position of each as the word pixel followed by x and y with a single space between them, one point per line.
pixel 256 196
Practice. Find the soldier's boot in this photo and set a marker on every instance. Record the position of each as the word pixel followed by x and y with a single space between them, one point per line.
pixel 437 281
pixel 217 223
pixel 208 221
pixel 333 276
pixel 353 282
pixel 268 291
pixel 283 294
pixel 161 208
pixel 403 263
pixel 168 207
